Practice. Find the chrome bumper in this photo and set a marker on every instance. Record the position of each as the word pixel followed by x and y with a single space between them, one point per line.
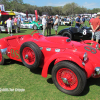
pixel 97 70
pixel 4 53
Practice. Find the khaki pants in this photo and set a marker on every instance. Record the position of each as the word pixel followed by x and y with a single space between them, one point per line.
pixel 44 27
pixel 9 29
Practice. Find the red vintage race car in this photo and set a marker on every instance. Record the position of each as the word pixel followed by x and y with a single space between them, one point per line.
pixel 72 62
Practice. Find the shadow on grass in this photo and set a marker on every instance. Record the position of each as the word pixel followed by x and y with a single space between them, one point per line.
pixel 36 71
pixel 10 62
pixel 23 31
pixel 90 82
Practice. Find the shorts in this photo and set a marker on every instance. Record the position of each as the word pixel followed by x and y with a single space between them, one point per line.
pixel 97 34
pixel 56 28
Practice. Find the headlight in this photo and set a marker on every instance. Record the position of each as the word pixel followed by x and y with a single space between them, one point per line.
pixel 85 57
pixel 97 46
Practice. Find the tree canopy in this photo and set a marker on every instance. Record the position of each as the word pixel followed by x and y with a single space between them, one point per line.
pixel 67 9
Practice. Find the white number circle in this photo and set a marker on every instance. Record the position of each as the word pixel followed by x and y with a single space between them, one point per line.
pixel 84 32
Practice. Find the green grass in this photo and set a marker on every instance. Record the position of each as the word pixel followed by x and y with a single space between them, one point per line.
pixel 15 75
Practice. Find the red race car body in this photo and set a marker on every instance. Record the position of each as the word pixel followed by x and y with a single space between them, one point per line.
pixel 72 62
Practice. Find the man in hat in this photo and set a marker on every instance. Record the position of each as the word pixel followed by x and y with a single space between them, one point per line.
pixel 44 23
pixel 78 22
pixel 95 25
pixel 56 24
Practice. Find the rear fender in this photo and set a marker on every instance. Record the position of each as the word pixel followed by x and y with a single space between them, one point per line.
pixel 3 48
pixel 3 44
pixel 60 57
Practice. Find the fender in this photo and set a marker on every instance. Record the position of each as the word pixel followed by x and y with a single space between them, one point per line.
pixel 61 32
pixel 3 44
pixel 92 42
pixel 89 70
pixel 59 57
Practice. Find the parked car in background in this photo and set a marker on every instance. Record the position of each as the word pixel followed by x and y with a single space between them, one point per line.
pixel 32 25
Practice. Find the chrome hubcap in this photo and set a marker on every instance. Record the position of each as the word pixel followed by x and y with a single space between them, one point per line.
pixel 26 56
pixel 65 81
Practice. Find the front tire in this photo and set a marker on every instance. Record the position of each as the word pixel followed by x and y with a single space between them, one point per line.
pixel 1 59
pixel 68 78
pixel 35 27
pixel 67 34
pixel 30 55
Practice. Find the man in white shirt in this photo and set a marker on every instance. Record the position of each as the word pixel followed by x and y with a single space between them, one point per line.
pixel 44 23
pixel 56 24
pixel 34 19
pixel 9 25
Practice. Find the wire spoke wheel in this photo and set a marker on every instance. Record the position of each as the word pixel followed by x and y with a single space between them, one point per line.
pixel 68 78
pixel 71 80
pixel 30 55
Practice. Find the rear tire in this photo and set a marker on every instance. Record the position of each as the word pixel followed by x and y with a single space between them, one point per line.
pixel 69 78
pixel 67 34
pixel 1 59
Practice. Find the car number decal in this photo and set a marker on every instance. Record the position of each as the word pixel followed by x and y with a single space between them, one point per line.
pixel 90 49
pixel 84 32
pixel 15 53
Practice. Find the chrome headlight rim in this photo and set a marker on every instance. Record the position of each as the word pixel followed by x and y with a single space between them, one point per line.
pixel 85 56
pixel 97 46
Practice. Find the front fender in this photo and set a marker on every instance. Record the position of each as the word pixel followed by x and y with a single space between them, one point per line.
pixel 60 57
pixel 94 43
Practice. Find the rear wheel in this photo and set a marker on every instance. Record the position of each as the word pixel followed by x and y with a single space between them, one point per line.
pixel 68 78
pixel 67 34
pixel 30 55
pixel 1 59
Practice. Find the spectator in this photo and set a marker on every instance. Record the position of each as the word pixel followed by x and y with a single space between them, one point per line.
pixel 49 21
pixel 83 20
pixel 9 25
pixel 78 23
pixel 22 20
pixel 15 24
pixel 44 23
pixel 29 19
pixel 91 19
pixel 72 21
pixel 18 23
pixel 34 19
pixel 56 24
pixel 95 25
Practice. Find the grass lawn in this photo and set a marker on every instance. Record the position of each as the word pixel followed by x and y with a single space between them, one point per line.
pixel 14 75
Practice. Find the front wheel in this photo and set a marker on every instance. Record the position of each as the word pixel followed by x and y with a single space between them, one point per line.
pixel 68 78
pixel 35 27
pixel 1 59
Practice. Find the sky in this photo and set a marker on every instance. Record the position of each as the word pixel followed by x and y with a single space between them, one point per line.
pixel 89 4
